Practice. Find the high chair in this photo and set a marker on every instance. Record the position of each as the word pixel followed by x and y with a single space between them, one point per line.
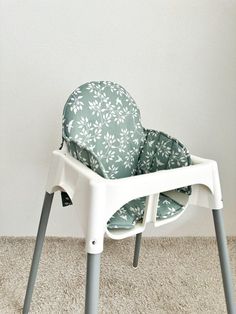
pixel 121 177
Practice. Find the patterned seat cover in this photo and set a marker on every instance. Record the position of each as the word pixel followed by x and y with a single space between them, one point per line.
pixel 102 129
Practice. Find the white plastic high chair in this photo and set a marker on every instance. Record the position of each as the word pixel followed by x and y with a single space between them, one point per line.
pixel 99 194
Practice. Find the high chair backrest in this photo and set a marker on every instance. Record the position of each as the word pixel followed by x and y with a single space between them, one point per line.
pixel 102 128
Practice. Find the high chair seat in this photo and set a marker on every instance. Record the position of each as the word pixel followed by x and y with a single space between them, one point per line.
pixel 131 213
pixel 102 129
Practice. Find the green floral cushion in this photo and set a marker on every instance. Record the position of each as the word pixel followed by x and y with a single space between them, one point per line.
pixel 127 216
pixel 131 213
pixel 102 119
pixel 102 129
pixel 161 151
pixel 167 207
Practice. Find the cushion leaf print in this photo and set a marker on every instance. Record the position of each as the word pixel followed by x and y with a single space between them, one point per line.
pixel 103 130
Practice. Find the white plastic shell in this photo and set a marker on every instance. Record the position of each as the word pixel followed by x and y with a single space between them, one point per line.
pixel 99 198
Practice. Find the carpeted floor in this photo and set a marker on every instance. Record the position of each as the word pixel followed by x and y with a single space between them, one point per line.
pixel 175 275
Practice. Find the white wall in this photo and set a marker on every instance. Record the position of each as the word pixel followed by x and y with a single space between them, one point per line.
pixel 177 59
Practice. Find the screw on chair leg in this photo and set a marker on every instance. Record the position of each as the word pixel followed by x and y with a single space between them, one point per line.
pixel 224 260
pixel 137 249
pixel 37 250
pixel 92 283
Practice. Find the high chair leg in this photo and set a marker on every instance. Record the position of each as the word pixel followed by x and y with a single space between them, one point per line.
pixel 92 283
pixel 37 250
pixel 224 260
pixel 137 249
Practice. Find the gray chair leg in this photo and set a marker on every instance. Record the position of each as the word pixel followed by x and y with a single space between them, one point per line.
pixel 137 249
pixel 37 250
pixel 224 260
pixel 92 283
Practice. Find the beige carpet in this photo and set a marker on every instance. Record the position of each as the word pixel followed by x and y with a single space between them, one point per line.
pixel 175 275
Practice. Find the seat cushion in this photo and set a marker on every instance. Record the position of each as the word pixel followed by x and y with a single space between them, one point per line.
pixel 167 207
pixel 159 152
pixel 127 216
pixel 102 129
pixel 131 213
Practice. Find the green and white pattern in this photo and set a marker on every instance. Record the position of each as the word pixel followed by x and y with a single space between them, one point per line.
pixel 102 129
pixel 102 120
